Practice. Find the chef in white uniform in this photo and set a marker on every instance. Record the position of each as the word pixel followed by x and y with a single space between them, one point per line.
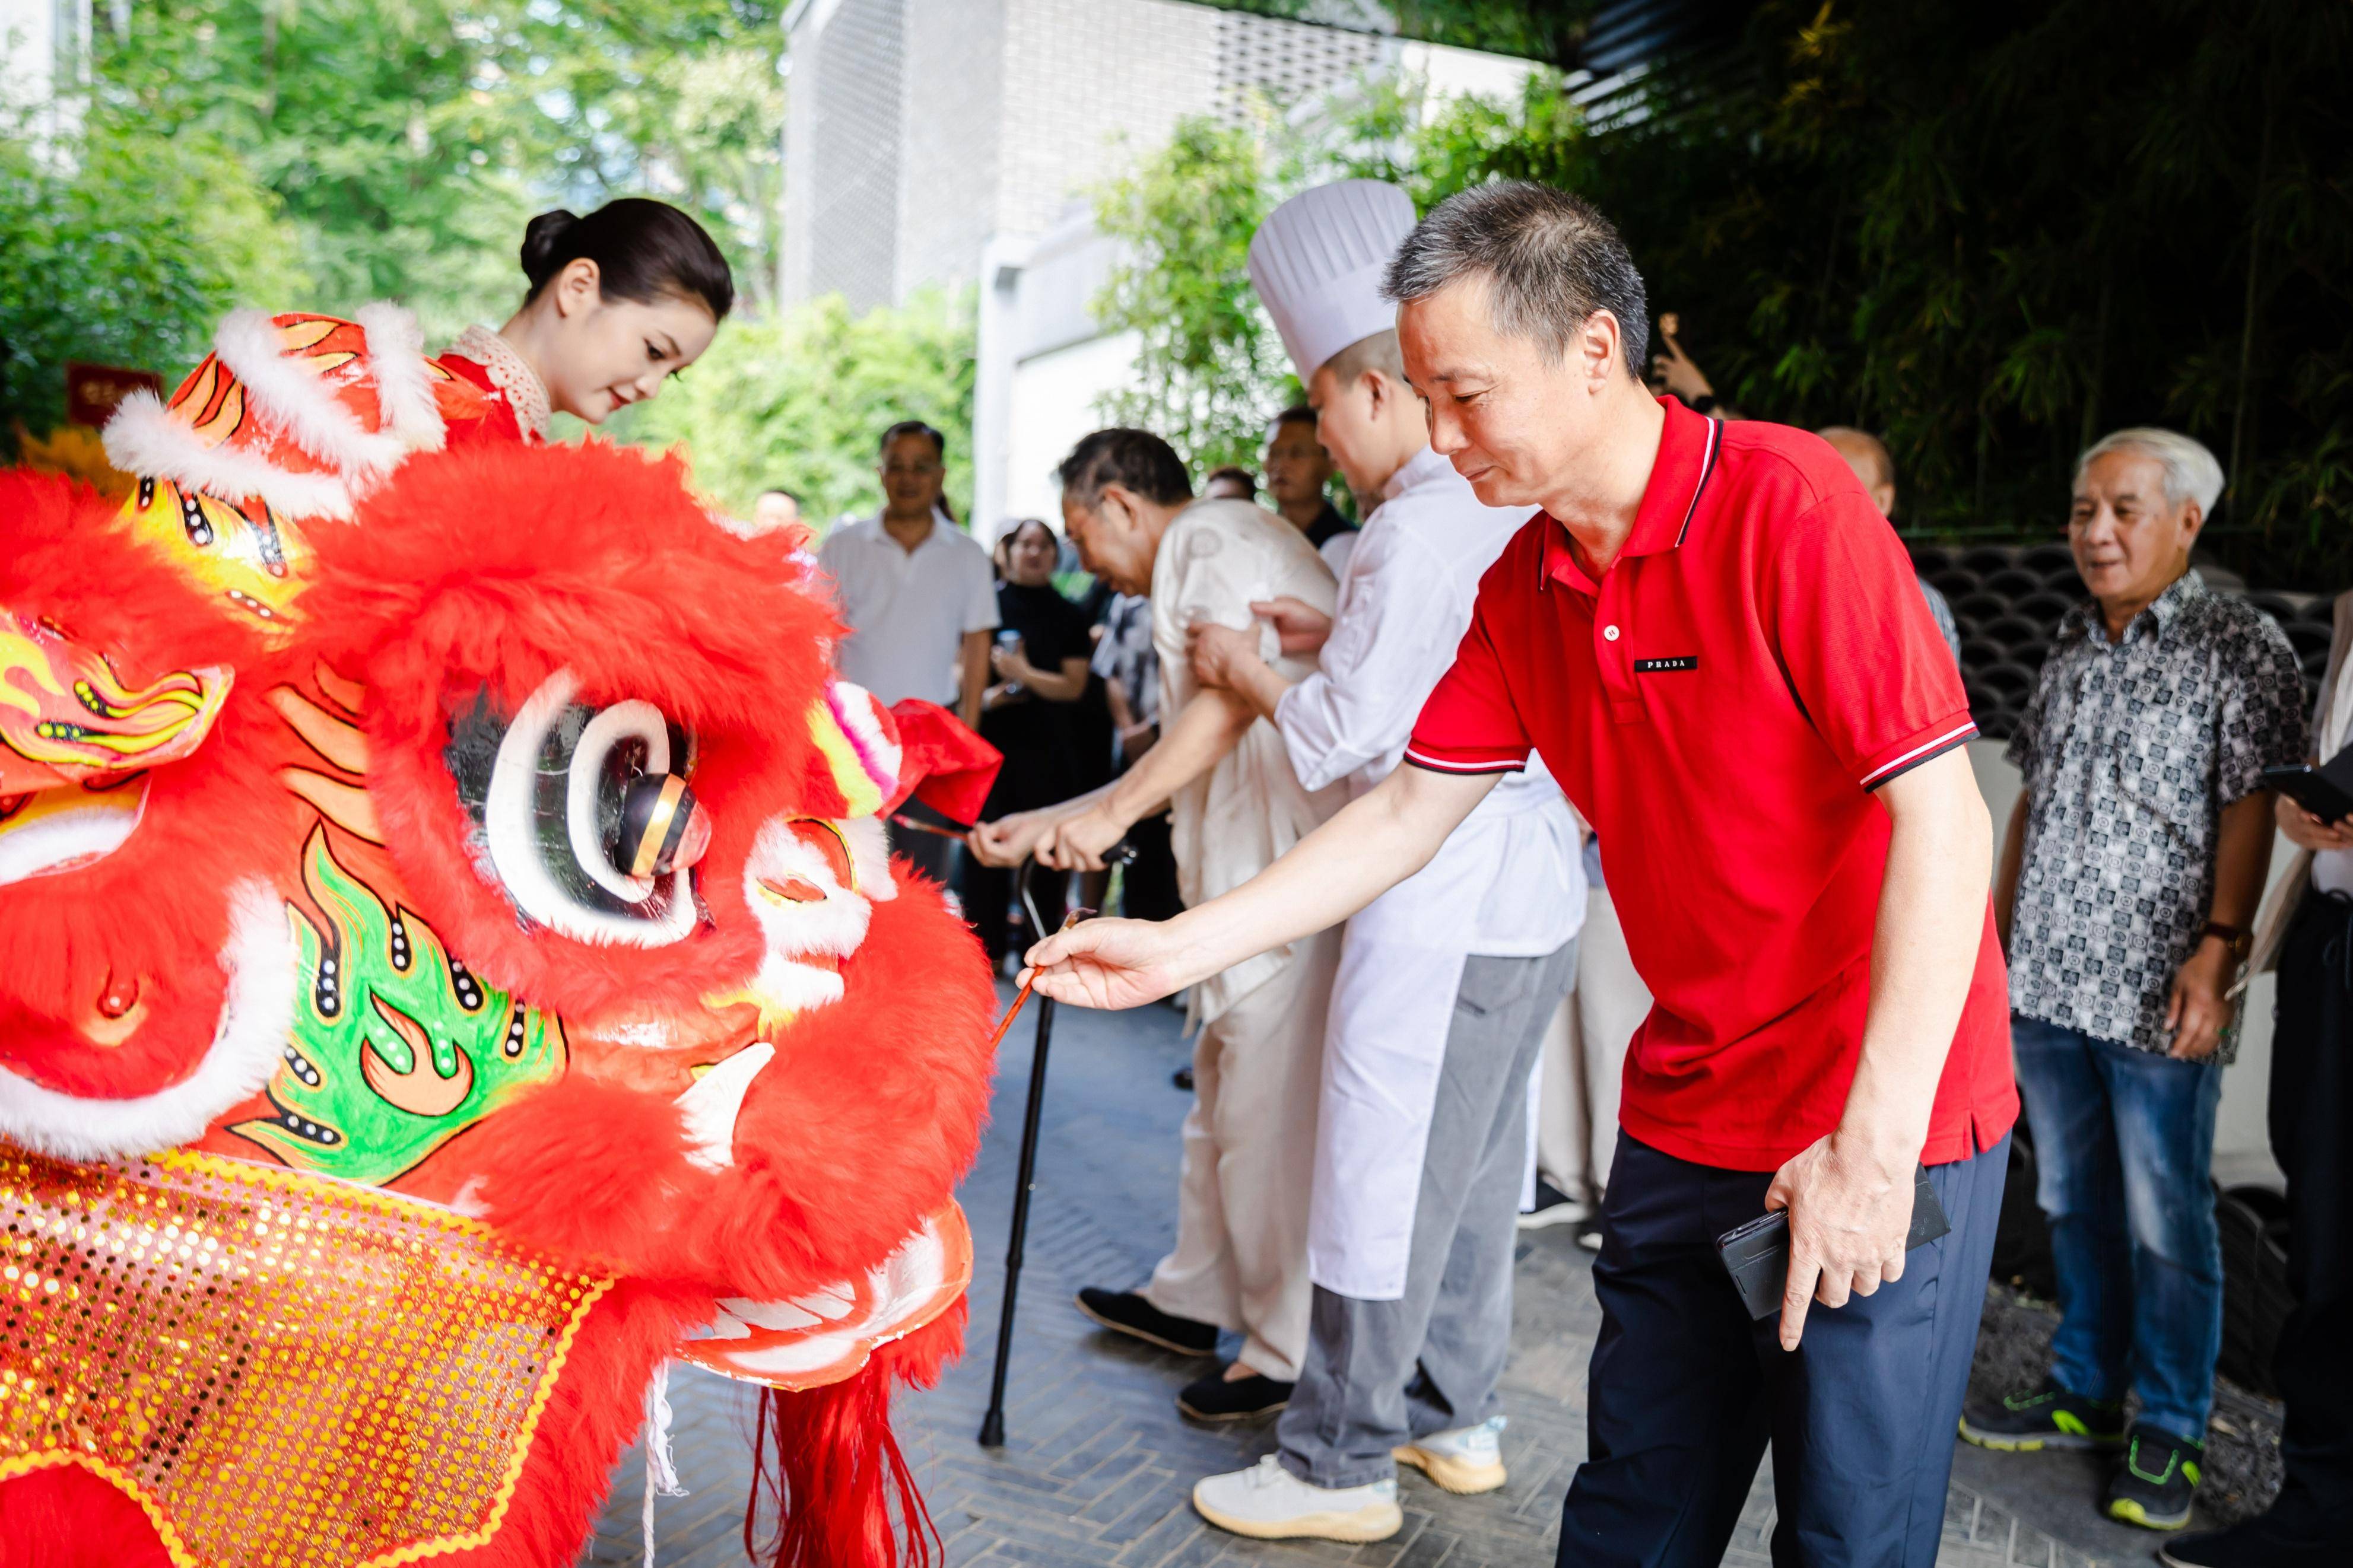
pixel 1446 981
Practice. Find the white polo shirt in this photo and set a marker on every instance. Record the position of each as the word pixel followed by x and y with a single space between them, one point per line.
pixel 908 610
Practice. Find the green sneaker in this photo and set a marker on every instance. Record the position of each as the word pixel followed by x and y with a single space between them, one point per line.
pixel 2044 1417
pixel 2157 1480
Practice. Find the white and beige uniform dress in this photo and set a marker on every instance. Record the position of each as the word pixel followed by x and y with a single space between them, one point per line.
pixel 1241 1259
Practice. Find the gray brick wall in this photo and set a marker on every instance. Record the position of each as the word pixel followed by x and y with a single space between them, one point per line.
pixel 1088 85
pixel 953 90
pixel 845 139
pixel 1284 63
pixel 919 128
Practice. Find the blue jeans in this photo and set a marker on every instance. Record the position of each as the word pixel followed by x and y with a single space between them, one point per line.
pixel 2124 1140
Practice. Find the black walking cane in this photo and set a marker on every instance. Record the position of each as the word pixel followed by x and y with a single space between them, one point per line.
pixel 992 1425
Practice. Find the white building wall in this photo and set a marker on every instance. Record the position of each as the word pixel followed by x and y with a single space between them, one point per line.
pixel 44 57
pixel 1053 400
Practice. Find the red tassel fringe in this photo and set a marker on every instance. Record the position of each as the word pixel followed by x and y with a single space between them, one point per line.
pixel 825 1464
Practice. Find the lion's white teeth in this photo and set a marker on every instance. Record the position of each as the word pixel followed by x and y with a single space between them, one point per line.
pixel 711 1106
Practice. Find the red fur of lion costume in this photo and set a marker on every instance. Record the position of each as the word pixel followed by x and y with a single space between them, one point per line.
pixel 330 944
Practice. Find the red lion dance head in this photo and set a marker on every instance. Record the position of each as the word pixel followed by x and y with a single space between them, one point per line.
pixel 432 1007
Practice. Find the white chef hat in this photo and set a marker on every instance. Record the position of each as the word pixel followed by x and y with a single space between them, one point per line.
pixel 1317 261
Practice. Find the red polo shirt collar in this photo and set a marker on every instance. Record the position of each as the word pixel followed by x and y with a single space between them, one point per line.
pixel 1689 445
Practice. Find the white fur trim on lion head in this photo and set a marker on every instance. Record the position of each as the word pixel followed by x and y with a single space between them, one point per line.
pixel 147 438
pixel 404 382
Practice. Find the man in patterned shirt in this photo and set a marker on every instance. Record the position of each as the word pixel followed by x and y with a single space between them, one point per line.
pixel 2128 883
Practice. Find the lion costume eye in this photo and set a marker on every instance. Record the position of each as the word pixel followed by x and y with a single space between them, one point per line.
pixel 582 813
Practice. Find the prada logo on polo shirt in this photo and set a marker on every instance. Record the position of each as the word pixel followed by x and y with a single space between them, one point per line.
pixel 1660 666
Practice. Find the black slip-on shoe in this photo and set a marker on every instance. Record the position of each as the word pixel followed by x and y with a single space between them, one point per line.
pixel 2257 1542
pixel 1218 1398
pixel 1125 1312
pixel 2044 1417
pixel 2153 1487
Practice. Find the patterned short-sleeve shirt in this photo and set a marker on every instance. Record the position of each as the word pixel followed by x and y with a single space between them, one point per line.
pixel 2131 750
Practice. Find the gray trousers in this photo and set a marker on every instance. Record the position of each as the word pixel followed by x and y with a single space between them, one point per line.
pixel 1379 1374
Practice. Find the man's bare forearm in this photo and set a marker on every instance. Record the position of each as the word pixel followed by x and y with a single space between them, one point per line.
pixel 1258 683
pixel 975 685
pixel 1374 843
pixel 1209 727
pixel 2013 862
pixel 2243 859
pixel 1931 911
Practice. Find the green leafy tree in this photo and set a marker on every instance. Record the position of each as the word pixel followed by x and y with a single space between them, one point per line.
pixel 1937 223
pixel 677 98
pixel 799 398
pixel 1209 364
pixel 409 140
pixel 1547 30
pixel 125 247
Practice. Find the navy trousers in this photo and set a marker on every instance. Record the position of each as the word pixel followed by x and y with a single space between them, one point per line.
pixel 1685 1392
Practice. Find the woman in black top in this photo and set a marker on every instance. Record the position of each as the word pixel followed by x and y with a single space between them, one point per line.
pixel 1041 662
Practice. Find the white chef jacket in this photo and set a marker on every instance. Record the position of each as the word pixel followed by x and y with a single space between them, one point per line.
pixel 1509 882
pixel 1336 552
pixel 908 610
pixel 1215 558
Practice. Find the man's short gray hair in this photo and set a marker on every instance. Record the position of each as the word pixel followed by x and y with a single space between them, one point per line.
pixel 2190 471
pixel 1550 259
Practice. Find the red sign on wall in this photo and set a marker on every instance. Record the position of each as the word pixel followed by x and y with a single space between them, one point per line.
pixel 93 391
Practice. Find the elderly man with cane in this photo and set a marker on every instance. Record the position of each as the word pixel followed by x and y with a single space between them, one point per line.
pixel 1713 640
pixel 1241 1259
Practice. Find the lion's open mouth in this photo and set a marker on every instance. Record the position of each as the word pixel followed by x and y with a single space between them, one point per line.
pixel 826 1335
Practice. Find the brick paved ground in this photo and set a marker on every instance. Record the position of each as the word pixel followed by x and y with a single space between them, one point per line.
pixel 1097 1467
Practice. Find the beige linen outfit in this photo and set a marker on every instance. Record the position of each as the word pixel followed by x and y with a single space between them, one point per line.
pixel 1240 1258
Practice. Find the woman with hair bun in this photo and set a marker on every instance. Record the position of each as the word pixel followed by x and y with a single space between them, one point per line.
pixel 619 300
pixel 292 419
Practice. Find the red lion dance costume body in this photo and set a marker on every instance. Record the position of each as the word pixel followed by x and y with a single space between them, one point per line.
pixel 450 968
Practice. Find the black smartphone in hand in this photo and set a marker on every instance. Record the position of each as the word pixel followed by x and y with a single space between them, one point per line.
pixel 1756 1254
pixel 2312 789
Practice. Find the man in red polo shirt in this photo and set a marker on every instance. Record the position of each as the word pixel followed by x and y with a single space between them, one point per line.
pixel 1714 639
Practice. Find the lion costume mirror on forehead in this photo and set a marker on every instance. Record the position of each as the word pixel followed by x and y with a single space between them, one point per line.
pixel 450 967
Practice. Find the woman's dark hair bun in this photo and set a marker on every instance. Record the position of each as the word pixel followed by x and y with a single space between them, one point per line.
pixel 643 249
pixel 543 238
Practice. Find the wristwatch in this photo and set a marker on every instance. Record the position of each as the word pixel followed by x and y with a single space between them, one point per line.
pixel 2237 938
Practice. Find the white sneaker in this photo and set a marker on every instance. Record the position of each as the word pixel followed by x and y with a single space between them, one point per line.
pixel 1269 1504
pixel 1461 1459
pixel 1554 1206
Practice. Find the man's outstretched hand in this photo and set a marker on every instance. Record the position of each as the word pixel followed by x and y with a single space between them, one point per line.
pixel 1008 840
pixel 1078 843
pixel 1109 963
